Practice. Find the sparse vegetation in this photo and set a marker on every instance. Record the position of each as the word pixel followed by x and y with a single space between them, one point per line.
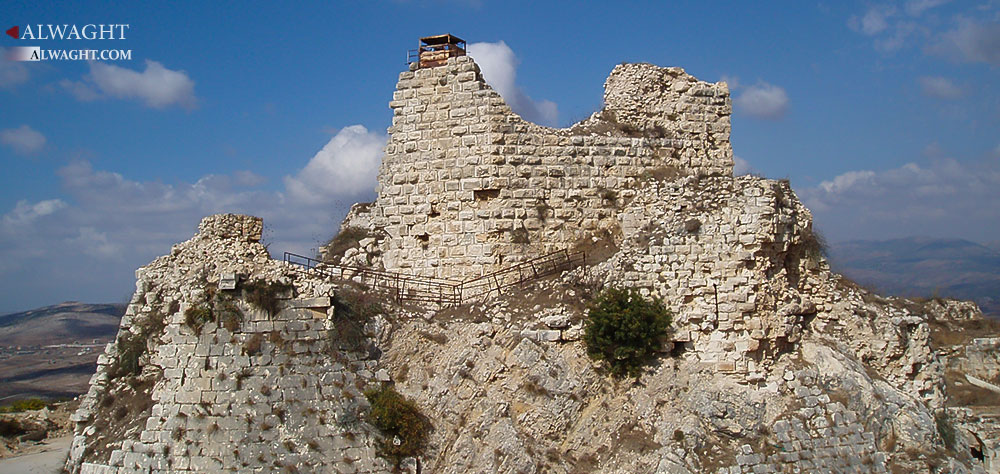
pixel 23 405
pixel 265 295
pixel 131 347
pixel 519 235
pixel 624 330
pixel 542 208
pixel 608 195
pixel 252 345
pixel 10 428
pixel 813 244
pixel 438 338
pixel 196 317
pixel 346 239
pixel 404 428
pixel 533 385
pixel 353 309
pixel 946 429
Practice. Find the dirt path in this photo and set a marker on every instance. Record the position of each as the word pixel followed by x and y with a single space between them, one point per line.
pixel 48 461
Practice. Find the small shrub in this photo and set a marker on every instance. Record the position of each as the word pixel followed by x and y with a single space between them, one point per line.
pixel 345 239
pixel 252 345
pixel 439 338
pixel 131 347
pixel 533 386
pixel 813 243
pixel 542 208
pixel 152 324
pixel 519 236
pixel 353 309
pixel 399 420
pixel 624 330
pixel 196 317
pixel 23 405
pixel 609 195
pixel 264 294
pixel 230 316
pixel 946 429
pixel 692 225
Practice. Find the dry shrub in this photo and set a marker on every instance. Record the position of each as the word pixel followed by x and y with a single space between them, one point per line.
pixel 398 418
pixel 265 295
pixel 347 238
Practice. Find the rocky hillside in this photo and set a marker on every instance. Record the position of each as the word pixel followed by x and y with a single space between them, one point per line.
pixel 64 323
pixel 52 352
pixel 915 266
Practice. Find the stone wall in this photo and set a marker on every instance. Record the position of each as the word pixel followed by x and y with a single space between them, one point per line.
pixel 265 396
pixel 467 186
pixel 261 393
pixel 727 256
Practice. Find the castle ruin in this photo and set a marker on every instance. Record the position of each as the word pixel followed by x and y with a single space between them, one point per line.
pixel 774 363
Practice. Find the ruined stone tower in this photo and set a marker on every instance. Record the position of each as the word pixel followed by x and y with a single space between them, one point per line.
pixel 468 186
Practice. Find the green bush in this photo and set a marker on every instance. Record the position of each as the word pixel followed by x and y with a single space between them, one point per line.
pixel 625 330
pixel 23 405
pixel 400 421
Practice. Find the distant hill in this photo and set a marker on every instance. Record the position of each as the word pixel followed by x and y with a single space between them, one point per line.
pixel 51 352
pixel 61 324
pixel 920 266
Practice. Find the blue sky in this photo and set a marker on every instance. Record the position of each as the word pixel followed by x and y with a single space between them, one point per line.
pixel 884 115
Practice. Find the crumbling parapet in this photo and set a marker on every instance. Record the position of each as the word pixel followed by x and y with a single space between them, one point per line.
pixel 232 226
pixel 467 186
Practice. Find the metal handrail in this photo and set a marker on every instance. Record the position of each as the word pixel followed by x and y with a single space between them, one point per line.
pixel 521 273
pixel 407 287
pixel 402 287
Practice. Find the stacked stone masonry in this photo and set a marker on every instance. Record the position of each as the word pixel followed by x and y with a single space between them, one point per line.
pixel 467 186
pixel 271 393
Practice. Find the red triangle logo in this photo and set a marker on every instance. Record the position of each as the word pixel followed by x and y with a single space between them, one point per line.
pixel 14 32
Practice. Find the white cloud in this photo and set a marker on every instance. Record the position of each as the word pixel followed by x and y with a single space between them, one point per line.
pixel 918 7
pixel 12 73
pixel 80 90
pixel 762 100
pixel 499 67
pixel 901 31
pixel 943 197
pixel 873 21
pixel 156 86
pixel 24 139
pixel 118 224
pixel 25 213
pixel 347 165
pixel 847 181
pixel 96 244
pixel 939 87
pixel 741 167
pixel 971 41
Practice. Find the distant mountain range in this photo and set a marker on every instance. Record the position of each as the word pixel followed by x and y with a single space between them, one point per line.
pixel 63 323
pixel 51 352
pixel 926 267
